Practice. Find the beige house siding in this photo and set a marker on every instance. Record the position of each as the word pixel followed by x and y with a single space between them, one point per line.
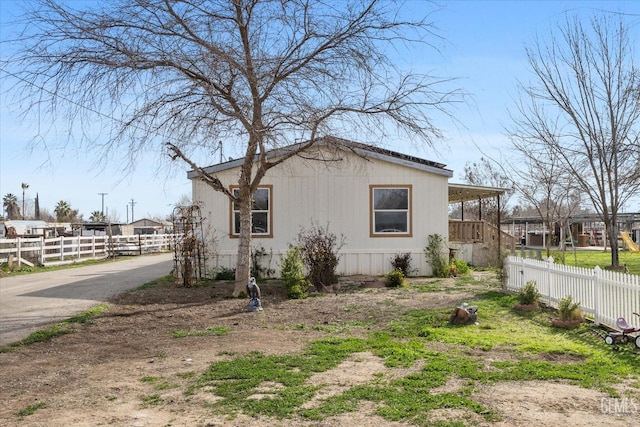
pixel 337 193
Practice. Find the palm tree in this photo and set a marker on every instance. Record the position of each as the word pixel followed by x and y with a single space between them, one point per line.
pixel 24 187
pixel 62 211
pixel 10 205
pixel 97 216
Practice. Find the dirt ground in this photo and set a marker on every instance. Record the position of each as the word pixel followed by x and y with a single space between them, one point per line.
pixel 92 377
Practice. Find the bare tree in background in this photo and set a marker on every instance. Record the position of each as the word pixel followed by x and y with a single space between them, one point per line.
pixel 540 179
pixel 258 74
pixel 584 106
pixel 487 172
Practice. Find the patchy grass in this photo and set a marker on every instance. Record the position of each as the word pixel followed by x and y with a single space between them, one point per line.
pixel 530 349
pixel 5 271
pixel 208 332
pixel 31 409
pixel 60 328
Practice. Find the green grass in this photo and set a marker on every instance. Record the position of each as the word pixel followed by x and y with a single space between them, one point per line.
pixel 532 350
pixel 31 409
pixel 158 383
pixel 60 328
pixel 25 269
pixel 589 259
pixel 210 331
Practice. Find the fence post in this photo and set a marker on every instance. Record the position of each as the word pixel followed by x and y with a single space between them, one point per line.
pixel 79 237
pixel 93 246
pixel 140 243
pixel 61 248
pixel 42 250
pixel 19 251
pixel 550 281
pixel 596 295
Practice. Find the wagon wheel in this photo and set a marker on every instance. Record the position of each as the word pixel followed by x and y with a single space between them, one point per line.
pixel 637 341
pixel 609 339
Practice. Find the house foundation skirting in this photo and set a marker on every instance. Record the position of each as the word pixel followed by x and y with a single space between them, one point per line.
pixel 352 262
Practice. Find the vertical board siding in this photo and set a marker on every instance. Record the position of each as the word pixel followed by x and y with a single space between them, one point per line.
pixel 603 295
pixel 335 193
pixel 351 263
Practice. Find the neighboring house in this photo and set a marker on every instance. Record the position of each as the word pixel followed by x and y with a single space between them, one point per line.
pixel 383 202
pixel 101 229
pixel 150 226
pixel 24 228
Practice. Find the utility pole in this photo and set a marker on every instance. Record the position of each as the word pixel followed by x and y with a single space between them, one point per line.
pixel 102 211
pixel 132 205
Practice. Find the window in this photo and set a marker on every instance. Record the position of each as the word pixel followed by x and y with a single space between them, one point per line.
pixel 390 211
pixel 260 213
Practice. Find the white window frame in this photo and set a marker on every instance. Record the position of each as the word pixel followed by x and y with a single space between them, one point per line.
pixel 390 233
pixel 268 211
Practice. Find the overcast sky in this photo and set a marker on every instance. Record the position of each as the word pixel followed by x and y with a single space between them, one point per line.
pixel 483 44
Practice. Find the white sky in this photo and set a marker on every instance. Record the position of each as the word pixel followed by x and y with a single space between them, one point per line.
pixel 483 44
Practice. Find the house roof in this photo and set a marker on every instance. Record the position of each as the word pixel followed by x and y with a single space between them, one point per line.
pixel 25 223
pixel 360 149
pixel 465 192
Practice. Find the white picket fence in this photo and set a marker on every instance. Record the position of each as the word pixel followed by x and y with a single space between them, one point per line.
pixel 62 250
pixel 603 295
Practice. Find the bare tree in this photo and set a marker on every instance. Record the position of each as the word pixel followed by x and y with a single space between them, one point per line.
pixel 257 74
pixel 584 106
pixel 487 172
pixel 540 179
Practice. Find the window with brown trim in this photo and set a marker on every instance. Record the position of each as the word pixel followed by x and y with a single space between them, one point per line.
pixel 261 214
pixel 390 210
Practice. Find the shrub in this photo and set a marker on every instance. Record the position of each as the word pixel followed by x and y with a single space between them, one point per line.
pixel 529 294
pixel 292 274
pixel 569 310
pixel 402 262
pixel 461 266
pixel 224 273
pixel 257 269
pixel 434 252
pixel 320 255
pixel 394 279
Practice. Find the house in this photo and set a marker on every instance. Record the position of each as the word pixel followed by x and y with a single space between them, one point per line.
pixel 150 226
pixel 24 228
pixel 383 202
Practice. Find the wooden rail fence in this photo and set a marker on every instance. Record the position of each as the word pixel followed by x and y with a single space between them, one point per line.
pixel 63 250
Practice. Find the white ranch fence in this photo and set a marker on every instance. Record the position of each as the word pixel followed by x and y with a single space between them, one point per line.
pixel 63 250
pixel 603 295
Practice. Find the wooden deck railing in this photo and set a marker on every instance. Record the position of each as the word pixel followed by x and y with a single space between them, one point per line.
pixel 479 232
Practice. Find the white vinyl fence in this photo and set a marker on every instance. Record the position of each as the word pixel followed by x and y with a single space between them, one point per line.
pixel 603 295
pixel 62 250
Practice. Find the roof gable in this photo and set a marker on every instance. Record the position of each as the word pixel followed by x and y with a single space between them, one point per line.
pixel 359 149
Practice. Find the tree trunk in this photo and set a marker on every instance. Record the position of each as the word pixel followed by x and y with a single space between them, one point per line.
pixel 243 263
pixel 612 232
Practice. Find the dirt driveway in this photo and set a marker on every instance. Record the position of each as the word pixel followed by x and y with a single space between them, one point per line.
pixel 95 376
